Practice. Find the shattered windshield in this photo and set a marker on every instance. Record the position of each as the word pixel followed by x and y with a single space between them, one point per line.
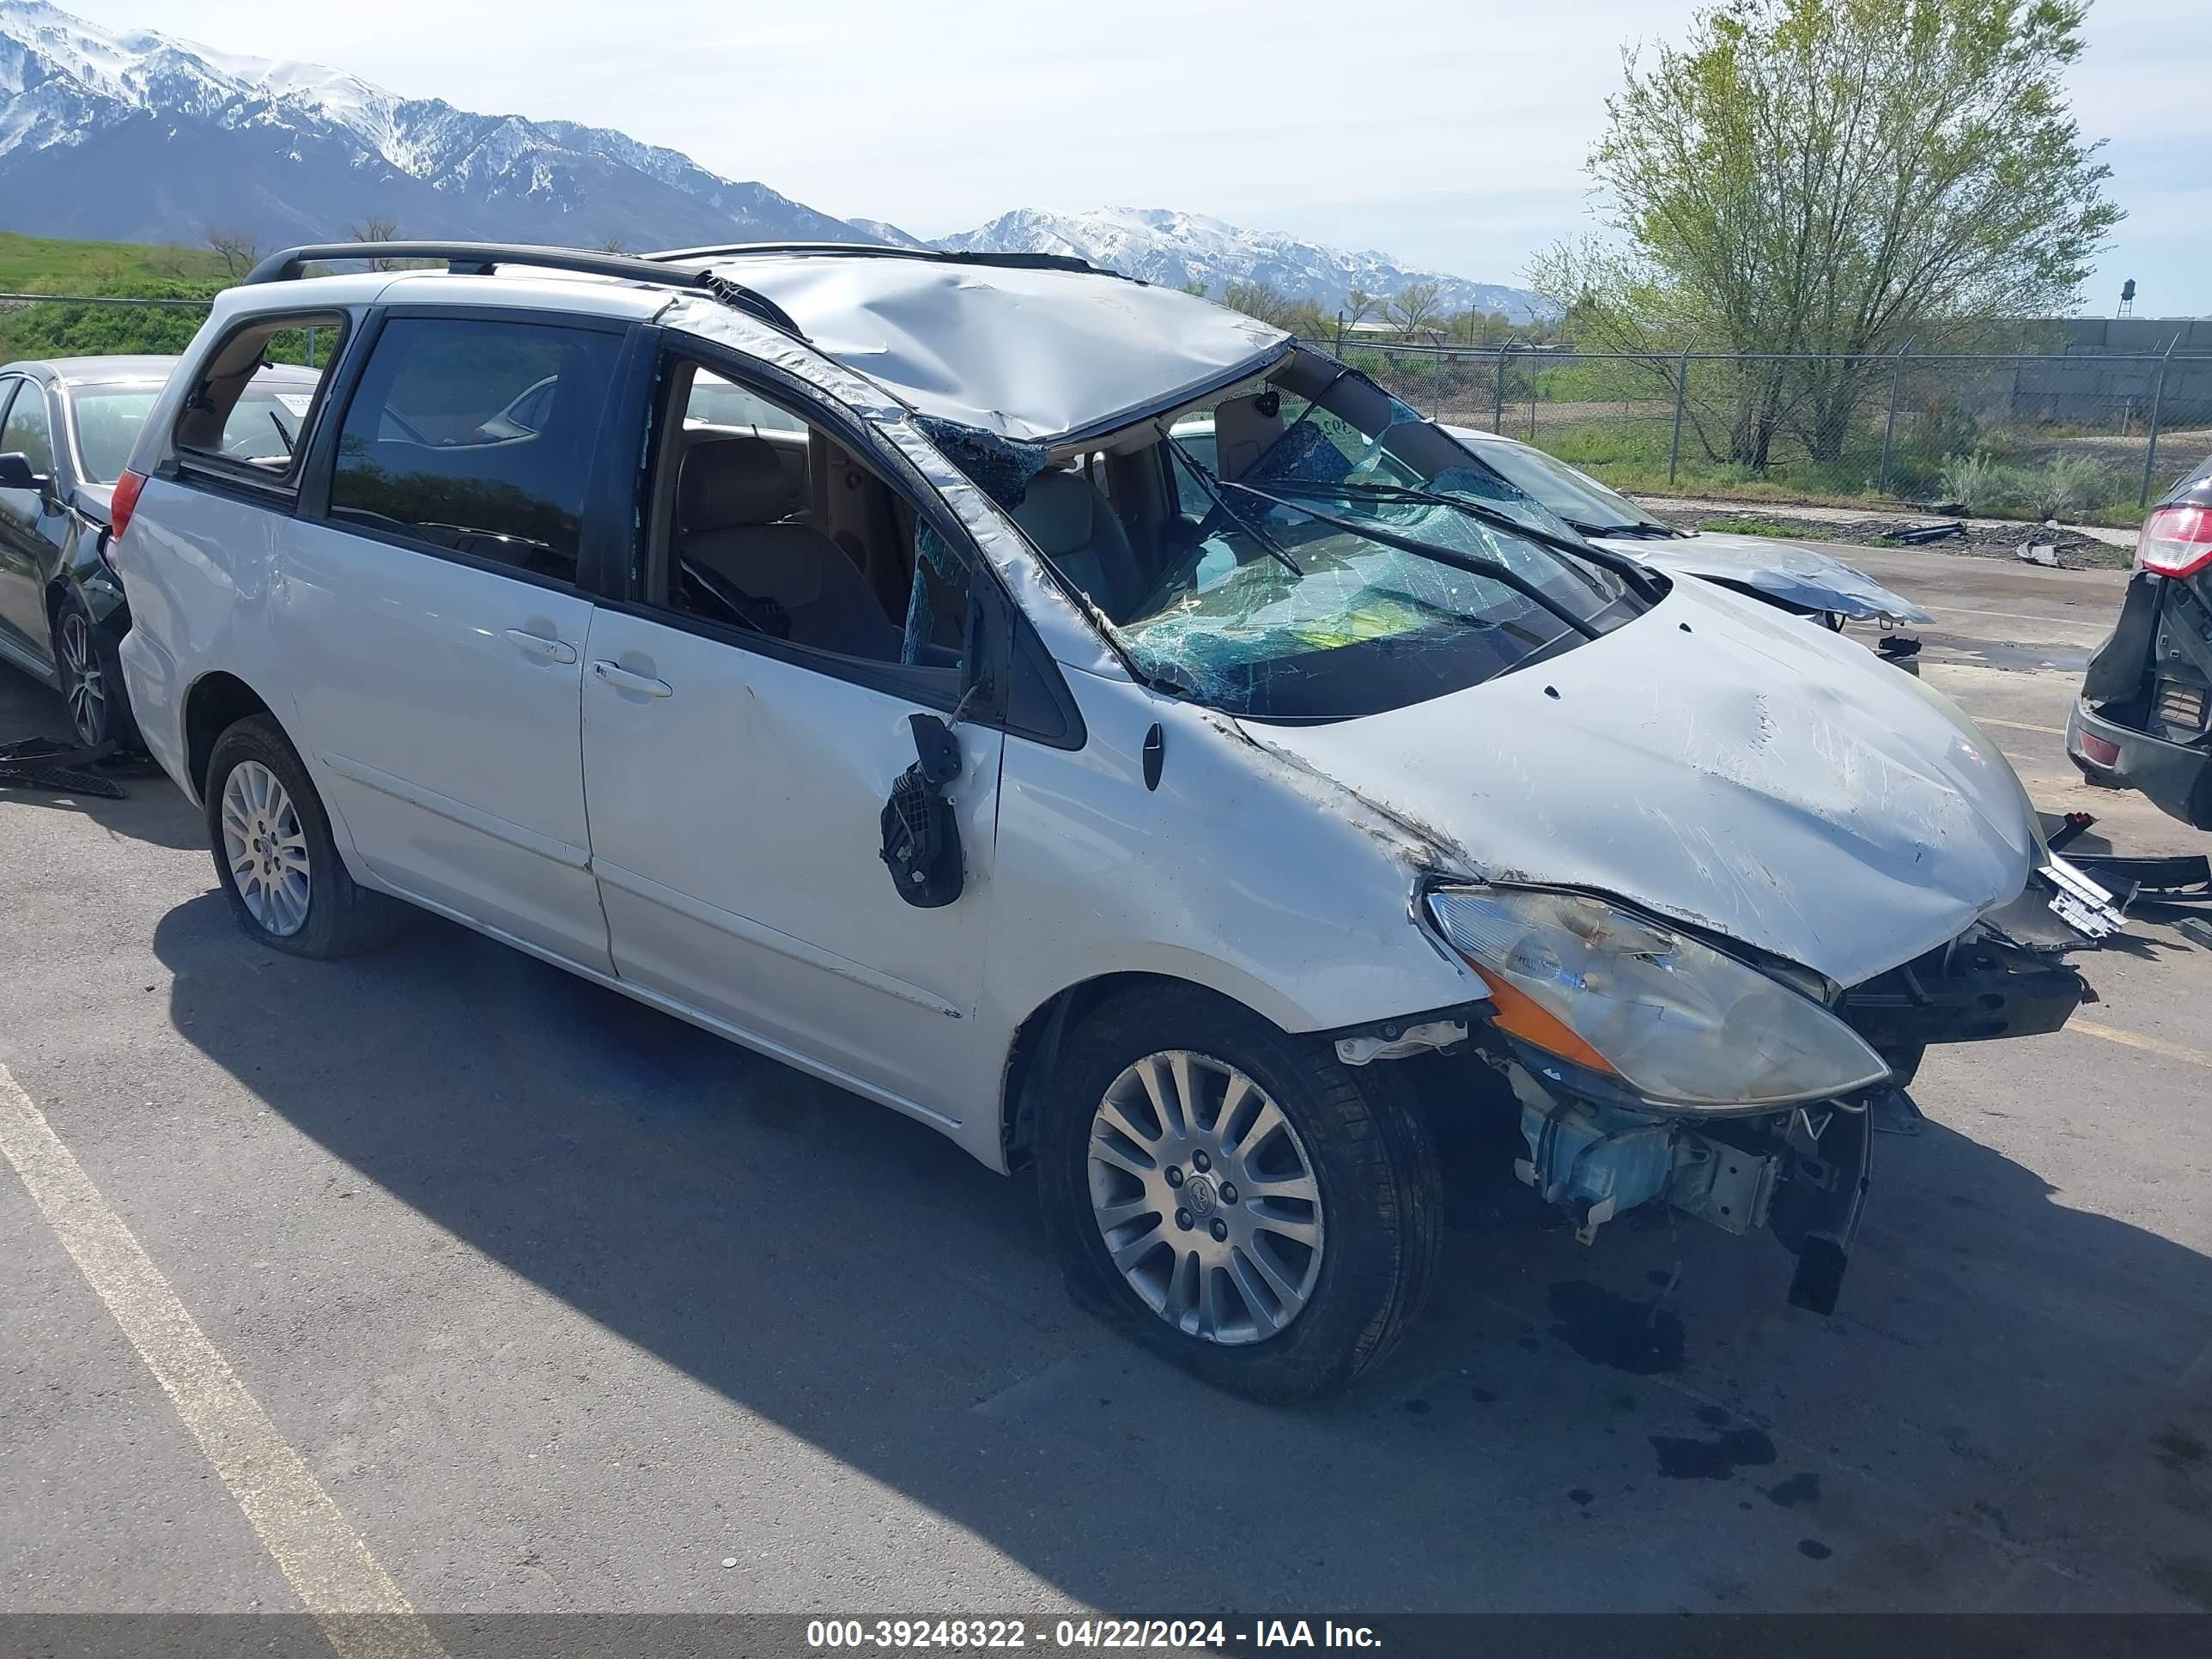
pixel 1579 499
pixel 1289 610
pixel 1302 548
pixel 1330 577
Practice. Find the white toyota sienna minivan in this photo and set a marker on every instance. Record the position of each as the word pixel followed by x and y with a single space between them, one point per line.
pixel 834 647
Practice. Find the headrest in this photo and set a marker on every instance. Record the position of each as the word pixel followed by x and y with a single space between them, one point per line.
pixel 727 482
pixel 1059 513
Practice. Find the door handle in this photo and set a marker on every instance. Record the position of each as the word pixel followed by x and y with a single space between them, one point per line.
pixel 623 680
pixel 539 645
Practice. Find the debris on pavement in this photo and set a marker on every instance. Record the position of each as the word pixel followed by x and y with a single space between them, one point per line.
pixel 1915 535
pixel 2077 549
pixel 43 764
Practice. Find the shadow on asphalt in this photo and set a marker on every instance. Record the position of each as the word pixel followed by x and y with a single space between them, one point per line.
pixel 1561 1432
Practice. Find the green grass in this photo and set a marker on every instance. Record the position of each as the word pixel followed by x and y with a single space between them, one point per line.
pixel 40 264
pixel 43 265
pixel 1631 456
pixel 1751 526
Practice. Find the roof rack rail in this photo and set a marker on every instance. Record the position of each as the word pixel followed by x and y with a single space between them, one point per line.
pixel 479 259
pixel 891 251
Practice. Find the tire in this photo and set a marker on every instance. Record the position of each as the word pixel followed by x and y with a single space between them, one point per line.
pixel 91 676
pixel 1375 1220
pixel 297 896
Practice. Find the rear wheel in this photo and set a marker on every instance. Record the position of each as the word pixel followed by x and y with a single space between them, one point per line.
pixel 1233 1197
pixel 274 854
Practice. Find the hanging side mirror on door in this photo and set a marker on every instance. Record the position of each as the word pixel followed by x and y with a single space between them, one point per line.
pixel 922 838
pixel 15 473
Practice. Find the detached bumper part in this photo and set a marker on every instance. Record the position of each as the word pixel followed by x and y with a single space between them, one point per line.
pixel 1972 990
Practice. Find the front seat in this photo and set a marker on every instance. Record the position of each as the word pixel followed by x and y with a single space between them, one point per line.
pixel 1071 524
pixel 728 500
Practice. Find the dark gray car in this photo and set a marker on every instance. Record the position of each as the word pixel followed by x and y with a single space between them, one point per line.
pixel 2144 718
pixel 67 426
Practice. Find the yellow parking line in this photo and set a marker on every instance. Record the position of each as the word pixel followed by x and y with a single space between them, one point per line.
pixel 2149 1045
pixel 2019 725
pixel 361 1610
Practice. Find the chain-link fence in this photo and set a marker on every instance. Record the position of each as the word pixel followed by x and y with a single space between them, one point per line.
pixel 2087 438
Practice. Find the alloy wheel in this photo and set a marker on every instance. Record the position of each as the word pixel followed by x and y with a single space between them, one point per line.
pixel 1205 1198
pixel 82 680
pixel 266 848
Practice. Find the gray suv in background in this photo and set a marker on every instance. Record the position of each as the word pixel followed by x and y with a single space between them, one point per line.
pixel 2144 718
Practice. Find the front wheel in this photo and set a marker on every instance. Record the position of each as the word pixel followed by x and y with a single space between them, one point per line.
pixel 1233 1197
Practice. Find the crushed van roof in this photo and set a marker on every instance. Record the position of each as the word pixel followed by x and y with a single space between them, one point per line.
pixel 1034 354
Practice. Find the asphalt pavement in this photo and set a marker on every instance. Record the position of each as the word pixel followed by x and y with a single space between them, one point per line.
pixel 558 1304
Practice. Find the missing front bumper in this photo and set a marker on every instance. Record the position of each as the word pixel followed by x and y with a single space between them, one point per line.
pixel 1801 1175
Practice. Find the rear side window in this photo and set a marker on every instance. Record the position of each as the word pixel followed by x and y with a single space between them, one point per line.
pixel 107 421
pixel 477 436
pixel 248 413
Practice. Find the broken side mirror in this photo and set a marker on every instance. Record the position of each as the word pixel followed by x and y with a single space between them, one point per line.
pixel 980 655
pixel 921 837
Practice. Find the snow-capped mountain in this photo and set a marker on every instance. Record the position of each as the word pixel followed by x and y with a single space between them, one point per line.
pixel 139 136
pixel 1162 245
pixel 882 231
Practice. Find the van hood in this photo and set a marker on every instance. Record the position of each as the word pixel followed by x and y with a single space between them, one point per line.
pixel 1800 576
pixel 1717 762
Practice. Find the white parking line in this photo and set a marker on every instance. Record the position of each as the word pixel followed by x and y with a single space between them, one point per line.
pixel 361 1610
pixel 2019 725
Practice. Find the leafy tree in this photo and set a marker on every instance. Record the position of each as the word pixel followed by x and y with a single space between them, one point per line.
pixel 1836 177
pixel 1257 299
pixel 1272 305
pixel 1417 309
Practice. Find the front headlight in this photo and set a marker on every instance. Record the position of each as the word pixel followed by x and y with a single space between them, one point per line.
pixel 1677 1021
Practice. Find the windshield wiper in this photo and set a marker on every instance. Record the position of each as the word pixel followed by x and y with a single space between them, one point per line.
pixel 1642 530
pixel 1621 566
pixel 1474 564
pixel 1213 486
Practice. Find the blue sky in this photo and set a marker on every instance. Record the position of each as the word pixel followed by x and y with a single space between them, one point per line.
pixel 1449 134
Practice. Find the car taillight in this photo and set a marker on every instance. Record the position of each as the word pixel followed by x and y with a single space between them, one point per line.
pixel 124 502
pixel 2175 541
